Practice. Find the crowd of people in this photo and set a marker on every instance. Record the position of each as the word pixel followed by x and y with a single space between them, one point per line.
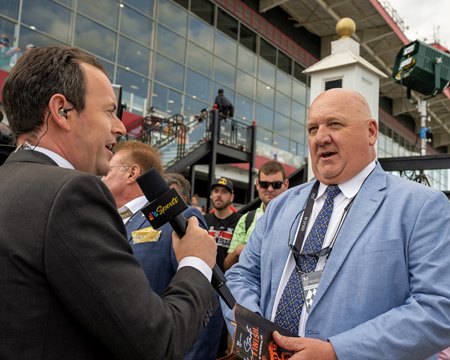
pixel 9 54
pixel 350 263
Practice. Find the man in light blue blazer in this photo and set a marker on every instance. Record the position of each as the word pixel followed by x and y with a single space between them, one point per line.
pixel 153 248
pixel 385 288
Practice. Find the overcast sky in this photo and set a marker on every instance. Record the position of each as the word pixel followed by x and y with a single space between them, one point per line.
pixel 424 17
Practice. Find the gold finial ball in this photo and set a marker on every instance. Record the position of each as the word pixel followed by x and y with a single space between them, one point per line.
pixel 345 27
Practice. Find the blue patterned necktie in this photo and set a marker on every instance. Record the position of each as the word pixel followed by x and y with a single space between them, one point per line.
pixel 291 302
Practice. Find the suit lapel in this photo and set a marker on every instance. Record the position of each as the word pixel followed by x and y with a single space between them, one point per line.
pixel 136 222
pixel 360 214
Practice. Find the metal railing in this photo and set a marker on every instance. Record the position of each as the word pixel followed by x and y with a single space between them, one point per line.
pixel 175 138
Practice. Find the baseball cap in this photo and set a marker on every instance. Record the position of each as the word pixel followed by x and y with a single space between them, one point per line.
pixel 223 182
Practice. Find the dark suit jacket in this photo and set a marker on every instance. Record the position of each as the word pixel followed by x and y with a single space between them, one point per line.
pixel 70 287
pixel 160 265
pixel 157 257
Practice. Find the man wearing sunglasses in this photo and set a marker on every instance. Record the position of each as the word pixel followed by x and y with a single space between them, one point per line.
pixel 271 182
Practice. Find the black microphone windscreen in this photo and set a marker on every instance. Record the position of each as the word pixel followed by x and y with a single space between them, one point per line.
pixel 152 184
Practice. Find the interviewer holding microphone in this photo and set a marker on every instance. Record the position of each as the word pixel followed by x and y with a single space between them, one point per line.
pixel 70 285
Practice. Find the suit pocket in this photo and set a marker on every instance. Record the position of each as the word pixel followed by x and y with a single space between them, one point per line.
pixel 383 246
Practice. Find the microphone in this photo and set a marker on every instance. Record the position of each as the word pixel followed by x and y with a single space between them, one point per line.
pixel 166 205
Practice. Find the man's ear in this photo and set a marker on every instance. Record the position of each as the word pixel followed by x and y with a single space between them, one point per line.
pixel 135 172
pixel 56 114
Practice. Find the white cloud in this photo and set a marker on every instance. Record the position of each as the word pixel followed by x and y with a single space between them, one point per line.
pixel 425 19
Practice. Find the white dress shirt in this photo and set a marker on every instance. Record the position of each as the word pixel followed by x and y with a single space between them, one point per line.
pixel 349 190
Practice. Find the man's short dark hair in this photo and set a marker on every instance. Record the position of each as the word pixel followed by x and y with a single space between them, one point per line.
pixel 272 167
pixel 36 77
pixel 220 91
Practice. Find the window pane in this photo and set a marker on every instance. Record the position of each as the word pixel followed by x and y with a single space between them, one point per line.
pixel 28 36
pixel 264 117
pixel 193 106
pixel 224 73
pixel 10 9
pixel 245 84
pixel 225 48
pixel 199 59
pixel 298 112
pixel 48 17
pixel 281 125
pixel 298 132
pixel 265 94
pixel 266 73
pixel 95 38
pixel 282 104
pixel 146 6
pixel 169 72
pixel 171 44
pixel 183 3
pixel 203 9
pixel 135 25
pixel 247 60
pixel 247 38
pixel 283 83
pixel 133 56
pixel 281 142
pixel 198 86
pixel 227 24
pixel 299 92
pixel 102 10
pixel 268 52
pixel 173 16
pixel 201 34
pixel 243 109
pixel 166 100
pixel 135 90
pixel 298 73
pixel 284 63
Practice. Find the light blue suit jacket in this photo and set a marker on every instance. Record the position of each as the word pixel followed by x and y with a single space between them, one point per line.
pixel 385 290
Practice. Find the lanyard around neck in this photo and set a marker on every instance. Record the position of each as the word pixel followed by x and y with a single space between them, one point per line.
pixel 296 247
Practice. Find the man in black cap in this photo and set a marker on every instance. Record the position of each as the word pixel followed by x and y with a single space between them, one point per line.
pixel 221 223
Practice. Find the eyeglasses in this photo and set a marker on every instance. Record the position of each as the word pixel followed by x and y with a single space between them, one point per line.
pixel 118 166
pixel 275 184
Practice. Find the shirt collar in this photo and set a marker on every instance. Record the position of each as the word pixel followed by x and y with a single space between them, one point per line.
pixel 136 204
pixel 58 159
pixel 351 187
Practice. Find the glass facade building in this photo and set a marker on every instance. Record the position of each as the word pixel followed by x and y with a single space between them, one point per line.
pixel 173 55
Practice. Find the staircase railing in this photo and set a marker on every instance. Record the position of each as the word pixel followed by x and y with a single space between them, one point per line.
pixel 176 138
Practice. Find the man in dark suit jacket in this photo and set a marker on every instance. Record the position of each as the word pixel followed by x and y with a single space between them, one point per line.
pixel 153 247
pixel 70 285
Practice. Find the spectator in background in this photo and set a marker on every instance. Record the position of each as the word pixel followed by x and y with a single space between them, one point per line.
pixel 180 184
pixel 271 182
pixel 224 106
pixel 196 203
pixel 153 247
pixel 7 54
pixel 221 224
